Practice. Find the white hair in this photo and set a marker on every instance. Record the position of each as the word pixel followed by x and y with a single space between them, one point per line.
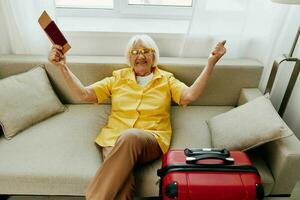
pixel 147 41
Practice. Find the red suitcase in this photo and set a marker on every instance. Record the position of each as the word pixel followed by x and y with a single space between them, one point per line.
pixel 206 174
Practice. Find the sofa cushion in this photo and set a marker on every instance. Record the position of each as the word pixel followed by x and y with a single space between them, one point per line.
pixel 27 99
pixel 56 156
pixel 230 75
pixel 189 126
pixel 247 126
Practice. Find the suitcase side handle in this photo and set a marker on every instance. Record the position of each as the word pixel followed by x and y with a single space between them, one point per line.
pixel 194 152
pixel 194 159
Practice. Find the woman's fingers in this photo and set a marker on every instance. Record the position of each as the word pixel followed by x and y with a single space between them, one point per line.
pixel 55 57
pixel 223 42
pixel 55 46
pixel 58 49
pixel 56 53
pixel 220 45
pixel 219 50
pixel 59 53
pixel 51 56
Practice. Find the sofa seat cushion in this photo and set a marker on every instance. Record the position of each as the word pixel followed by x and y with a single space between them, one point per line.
pixel 56 156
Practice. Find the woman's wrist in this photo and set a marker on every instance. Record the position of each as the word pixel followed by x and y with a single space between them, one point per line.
pixel 212 61
pixel 62 67
pixel 209 68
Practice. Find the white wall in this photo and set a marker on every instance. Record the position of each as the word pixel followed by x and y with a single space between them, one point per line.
pixel 284 41
pixel 292 112
pixel 283 46
pixel 4 39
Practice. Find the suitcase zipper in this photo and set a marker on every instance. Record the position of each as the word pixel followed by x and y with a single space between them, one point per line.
pixel 206 167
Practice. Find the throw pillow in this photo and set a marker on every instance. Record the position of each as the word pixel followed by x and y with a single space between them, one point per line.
pixel 247 126
pixel 26 99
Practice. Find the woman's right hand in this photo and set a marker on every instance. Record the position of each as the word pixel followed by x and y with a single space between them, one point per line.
pixel 56 56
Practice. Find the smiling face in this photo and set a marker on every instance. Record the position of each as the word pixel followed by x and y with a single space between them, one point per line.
pixel 141 58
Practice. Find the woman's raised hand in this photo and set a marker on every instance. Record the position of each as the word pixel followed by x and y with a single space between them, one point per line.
pixel 217 53
pixel 56 57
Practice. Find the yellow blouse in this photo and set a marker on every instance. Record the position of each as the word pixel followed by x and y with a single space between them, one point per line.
pixel 134 106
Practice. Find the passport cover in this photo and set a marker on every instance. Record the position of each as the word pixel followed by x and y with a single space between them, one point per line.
pixel 53 32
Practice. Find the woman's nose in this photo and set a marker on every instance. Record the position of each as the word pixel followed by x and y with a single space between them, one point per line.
pixel 141 55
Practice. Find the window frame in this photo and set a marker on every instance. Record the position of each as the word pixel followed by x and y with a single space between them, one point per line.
pixel 123 10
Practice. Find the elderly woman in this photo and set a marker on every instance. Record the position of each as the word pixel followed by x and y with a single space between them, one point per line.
pixel 138 128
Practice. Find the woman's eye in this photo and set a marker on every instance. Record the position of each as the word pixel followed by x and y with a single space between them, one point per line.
pixel 147 51
pixel 134 52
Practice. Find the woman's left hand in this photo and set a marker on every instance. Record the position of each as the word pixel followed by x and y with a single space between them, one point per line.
pixel 217 53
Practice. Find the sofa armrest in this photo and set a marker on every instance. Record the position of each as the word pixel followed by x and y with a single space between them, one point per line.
pixel 282 156
pixel 283 159
pixel 248 94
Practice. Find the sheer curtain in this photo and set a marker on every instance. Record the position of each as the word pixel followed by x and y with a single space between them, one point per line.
pixel 20 19
pixel 257 29
pixel 249 26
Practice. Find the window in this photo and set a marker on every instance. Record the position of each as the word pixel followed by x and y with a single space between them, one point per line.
pixel 179 9
pixel 161 2
pixel 85 4
pixel 226 5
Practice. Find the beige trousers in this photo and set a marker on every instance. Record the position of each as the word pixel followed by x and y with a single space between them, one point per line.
pixel 114 179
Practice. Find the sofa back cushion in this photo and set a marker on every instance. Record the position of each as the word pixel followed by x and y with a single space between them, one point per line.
pixel 26 99
pixel 247 126
pixel 229 76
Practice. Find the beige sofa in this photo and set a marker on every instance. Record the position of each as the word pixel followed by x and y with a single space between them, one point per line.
pixel 58 156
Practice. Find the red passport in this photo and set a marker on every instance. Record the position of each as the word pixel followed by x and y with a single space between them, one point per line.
pixel 53 32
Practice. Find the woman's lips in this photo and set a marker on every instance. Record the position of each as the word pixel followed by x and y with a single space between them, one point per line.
pixel 141 62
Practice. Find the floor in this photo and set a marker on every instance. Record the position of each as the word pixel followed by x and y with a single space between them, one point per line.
pixel 82 198
pixel 294 196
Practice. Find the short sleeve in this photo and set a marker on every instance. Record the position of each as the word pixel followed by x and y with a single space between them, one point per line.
pixel 103 88
pixel 176 87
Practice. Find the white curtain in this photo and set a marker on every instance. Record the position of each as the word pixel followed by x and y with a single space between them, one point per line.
pixel 21 21
pixel 256 29
pixel 249 26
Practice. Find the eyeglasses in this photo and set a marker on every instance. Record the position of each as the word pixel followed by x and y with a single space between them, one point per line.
pixel 134 52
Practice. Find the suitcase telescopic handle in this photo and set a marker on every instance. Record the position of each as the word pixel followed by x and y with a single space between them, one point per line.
pixel 194 159
pixel 218 151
